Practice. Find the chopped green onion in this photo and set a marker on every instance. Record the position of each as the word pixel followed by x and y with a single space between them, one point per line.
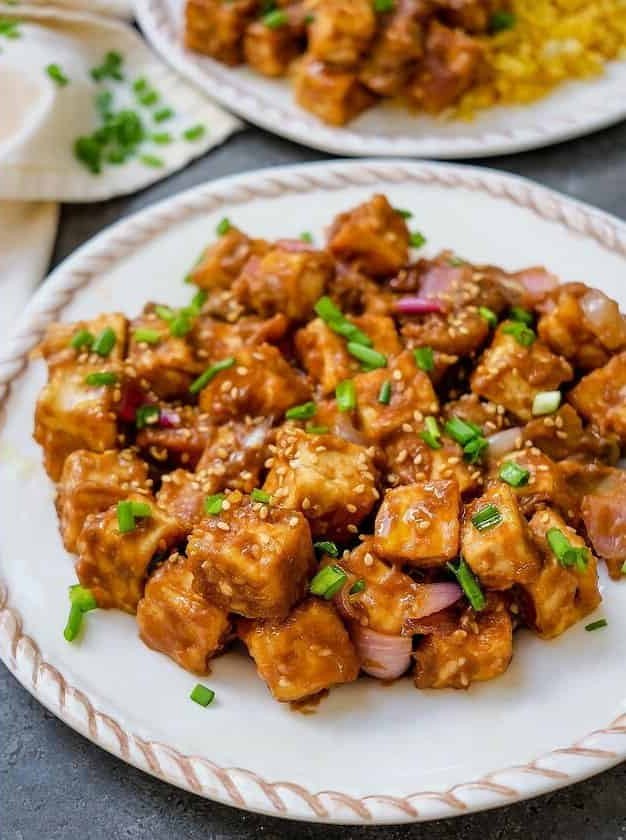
pixel 125 517
pixel 195 132
pixel 384 395
pixel 487 518
pixel 57 75
pixel 116 156
pixel 87 150
pixel 165 313
pixel 345 392
pixel 110 68
pixel 151 160
pixel 417 239
pixel 456 261
pixel 518 313
pixel 275 19
pixel 383 5
pixel 328 581
pixel 162 114
pixel 473 450
pixel 305 236
pixel 358 586
pixel 149 98
pixel 461 431
pixel 103 103
pixel 565 552
pixel 83 338
pixel 140 85
pixel 146 335
pixel 327 547
pixel 213 504
pixel 489 315
pixel 74 622
pixel 406 214
pixel 105 342
pixel 424 358
pixel 100 378
pixel 180 325
pixel 501 21
pixel 316 430
pixel 301 412
pixel 9 28
pixel 141 510
pixel 223 227
pixel 520 332
pixel 368 357
pixel 147 415
pixel 431 434
pixel 210 373
pixel 334 318
pixel 596 625
pixel 198 300
pixel 546 402
pixel 513 474
pixel 161 138
pixel 202 695
pixel 260 496
pixel 83 598
pixel 469 584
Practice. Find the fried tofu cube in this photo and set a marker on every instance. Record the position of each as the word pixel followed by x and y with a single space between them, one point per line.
pixel 409 460
pixel 419 523
pixel 341 30
pixel 253 559
pixel 261 383
pixel 512 375
pixel 213 339
pixel 545 484
pixel 235 454
pixel 329 479
pixel 334 95
pixel 91 482
pixel 476 648
pixel 372 233
pixel 412 394
pixel 215 28
pixel 70 414
pixel 269 50
pixel 178 621
pixel 601 397
pixel 180 440
pixel 460 333
pixel 182 495
pixel 398 45
pixel 603 510
pixel 558 596
pixel 114 565
pixel 503 554
pixel 56 347
pixel 284 281
pixel 220 263
pixel 308 652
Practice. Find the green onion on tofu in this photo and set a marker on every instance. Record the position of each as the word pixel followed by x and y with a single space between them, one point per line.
pixel 489 315
pixel 335 320
pixel 83 338
pixel 128 511
pixel 384 395
pixel 513 474
pixel 424 358
pixel 521 333
pixel 358 586
pixel 431 433
pixel 210 373
pixel 371 359
pixel 328 581
pixel 546 402
pixel 100 378
pixel 524 316
pixel 567 554
pixel 213 504
pixel 223 226
pixel 147 415
pixel 147 336
pixel 104 342
pixel 301 412
pixel 327 547
pixel 487 518
pixel 345 393
pixel 469 584
pixel 260 496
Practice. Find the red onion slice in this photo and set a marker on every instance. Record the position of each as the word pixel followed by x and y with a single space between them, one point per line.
pixel 501 443
pixel 132 397
pixel 381 656
pixel 418 306
pixel 169 419
pixel 434 597
pixel 537 283
pixel 604 318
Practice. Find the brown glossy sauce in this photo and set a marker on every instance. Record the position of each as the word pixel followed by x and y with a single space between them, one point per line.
pixel 308 705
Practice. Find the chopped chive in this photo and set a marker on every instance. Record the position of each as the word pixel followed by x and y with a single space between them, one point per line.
pixel 103 102
pixel 140 85
pixel 180 325
pixel 417 239
pixel 105 342
pixel 334 318
pixel 523 316
pixel 501 21
pixel 141 510
pixel 275 19
pixel 424 358
pixel 161 138
pixel 125 517
pixel 489 315
pixel 146 335
pixel 87 150
pixel 83 338
pixel 198 300
pixel 9 28
pixel 57 75
pixel 469 584
pixel 383 5
pixel 301 412
pixel 461 431
pixel 487 518
pixel 305 236
pixel 195 132
pixel 74 622
pixel 474 449
pixel 82 597
pixel 110 68
pixel 147 415
pixel 406 214
pixel 162 114
pixel 316 430
pixel 368 357
pixel 520 332
pixel 260 496
pixel 431 434
pixel 213 504
pixel 100 378
pixel 546 402
pixel 328 581
pixel 149 98
pixel 513 474
pixel 202 695
pixel 210 373
pixel 223 226
pixel 327 547
pixel 358 586
pixel 565 552
pixel 345 393
pixel 116 156
pixel 596 625
pixel 384 395
pixel 165 313
pixel 152 161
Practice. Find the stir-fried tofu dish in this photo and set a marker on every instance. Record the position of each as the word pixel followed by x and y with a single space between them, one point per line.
pixel 342 457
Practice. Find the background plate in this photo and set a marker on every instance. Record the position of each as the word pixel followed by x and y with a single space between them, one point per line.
pixel 570 111
pixel 371 754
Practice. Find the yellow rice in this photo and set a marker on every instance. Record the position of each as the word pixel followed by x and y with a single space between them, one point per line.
pixel 552 41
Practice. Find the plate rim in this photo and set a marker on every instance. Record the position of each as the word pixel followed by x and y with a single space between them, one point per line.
pixel 219 82
pixel 590 754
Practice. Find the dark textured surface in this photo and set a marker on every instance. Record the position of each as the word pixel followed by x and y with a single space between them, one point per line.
pixel 55 784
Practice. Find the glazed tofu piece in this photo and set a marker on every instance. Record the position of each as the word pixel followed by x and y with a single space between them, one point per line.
pixel 341 30
pixel 176 620
pixel 558 596
pixel 235 455
pixel 59 351
pixel 93 481
pixel 269 50
pixel 412 397
pixel 601 397
pixel 603 511
pixel 308 652
pixel 409 460
pixel 512 375
pixel 253 559
pixel 419 523
pixel 220 263
pixel 477 647
pixel 470 15
pixel 284 281
pixel 459 333
pixel 213 339
pixel 216 29
pixel 261 382
pixel 545 485
pixel 177 438
pixel 562 435
pixel 114 565
pixel 334 95
pixel 372 233
pixel 182 495
pixel 71 414
pixel 481 413
pixel 504 553
pixel 329 479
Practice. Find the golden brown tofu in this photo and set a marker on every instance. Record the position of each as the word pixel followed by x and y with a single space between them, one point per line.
pixel 308 652
pixel 213 339
pixel 71 414
pixel 355 292
pixel 269 50
pixel 329 479
pixel 600 397
pixel 562 435
pixel 460 333
pixel 262 382
pixel 176 620
pixel 341 30
pixel 477 647
pixel 177 438
pixel 372 233
pixel 512 375
pixel 470 15
pixel 284 281
pixel 603 511
pixel 399 44
pixel 253 559
pixel 419 523
pixel 215 28
pixel 182 495
pixel 474 410
pixel 56 347
pixel 558 596
pixel 335 96
pixel 91 482
pixel 502 554
pixel 545 485
pixel 412 396
pixel 114 565
pixel 235 454
pixel 221 262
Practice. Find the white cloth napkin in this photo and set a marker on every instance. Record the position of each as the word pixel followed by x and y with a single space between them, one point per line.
pixel 41 119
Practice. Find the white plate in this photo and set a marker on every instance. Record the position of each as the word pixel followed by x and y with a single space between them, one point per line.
pixel 370 754
pixel 570 111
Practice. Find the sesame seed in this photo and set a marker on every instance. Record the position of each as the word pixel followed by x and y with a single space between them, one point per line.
pixel 351 508
pixel 353 529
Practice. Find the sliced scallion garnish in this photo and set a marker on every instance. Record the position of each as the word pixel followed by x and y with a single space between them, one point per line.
pixel 328 581
pixel 469 584
pixel 345 393
pixel 487 518
pixel 210 373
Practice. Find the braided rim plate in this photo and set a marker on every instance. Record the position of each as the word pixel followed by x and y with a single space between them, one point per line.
pixel 371 754
pixel 572 110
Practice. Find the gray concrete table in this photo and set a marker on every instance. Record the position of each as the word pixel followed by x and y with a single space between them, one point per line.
pixel 55 785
